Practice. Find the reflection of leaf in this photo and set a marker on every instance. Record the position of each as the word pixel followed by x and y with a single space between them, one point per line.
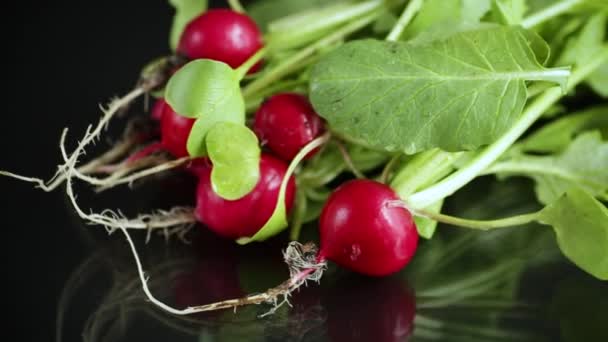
pixel 235 153
pixel 455 94
pixel 583 164
pixel 581 306
pixel 581 225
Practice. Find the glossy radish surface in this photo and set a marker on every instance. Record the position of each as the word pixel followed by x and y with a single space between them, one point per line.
pixel 287 122
pixel 174 131
pixel 223 35
pixel 245 216
pixel 361 229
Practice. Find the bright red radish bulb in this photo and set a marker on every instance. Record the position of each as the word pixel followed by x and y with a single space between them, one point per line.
pixel 245 216
pixel 222 35
pixel 174 132
pixel 157 109
pixel 287 122
pixel 362 229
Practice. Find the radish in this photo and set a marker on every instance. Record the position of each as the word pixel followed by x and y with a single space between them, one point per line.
pixel 223 35
pixel 157 109
pixel 174 131
pixel 287 122
pixel 245 216
pixel 363 230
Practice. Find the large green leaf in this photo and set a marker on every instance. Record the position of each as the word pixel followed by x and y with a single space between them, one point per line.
pixel 456 94
pixel 581 225
pixel 583 164
pixel 557 135
pixel 235 153
pixel 185 11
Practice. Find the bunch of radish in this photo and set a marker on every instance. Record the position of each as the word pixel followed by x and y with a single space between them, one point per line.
pixel 239 110
pixel 360 228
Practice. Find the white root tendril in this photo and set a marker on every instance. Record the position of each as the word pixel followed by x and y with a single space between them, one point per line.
pixel 90 136
pixel 303 266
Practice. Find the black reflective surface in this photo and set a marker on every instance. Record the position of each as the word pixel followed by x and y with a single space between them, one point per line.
pixel 67 281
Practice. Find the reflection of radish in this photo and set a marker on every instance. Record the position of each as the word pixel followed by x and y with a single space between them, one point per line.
pixel 245 216
pixel 222 35
pixel 287 122
pixel 213 277
pixel 380 310
pixel 362 230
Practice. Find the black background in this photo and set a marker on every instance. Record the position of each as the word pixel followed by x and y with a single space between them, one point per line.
pixel 61 59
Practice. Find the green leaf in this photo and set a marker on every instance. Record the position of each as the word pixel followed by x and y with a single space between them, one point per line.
pixel 581 225
pixel 583 164
pixel 304 27
pixel 201 86
pixel 557 135
pixel 209 91
pixel 456 94
pixel 442 12
pixel 599 80
pixel 278 220
pixel 266 11
pixel 509 12
pixel 235 153
pixel 185 11
pixel 580 48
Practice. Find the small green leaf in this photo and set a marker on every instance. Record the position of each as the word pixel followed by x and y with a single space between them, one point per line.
pixel 583 164
pixel 278 221
pixel 557 135
pixel 203 86
pixel 235 153
pixel 455 94
pixel 581 225
pixel 185 11
pixel 426 227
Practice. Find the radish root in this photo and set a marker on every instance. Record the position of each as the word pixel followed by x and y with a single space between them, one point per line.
pixel 303 266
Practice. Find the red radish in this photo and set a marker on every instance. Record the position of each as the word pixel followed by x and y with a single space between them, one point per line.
pixel 157 109
pixel 223 35
pixel 380 310
pixel 363 230
pixel 245 216
pixel 287 122
pixel 174 132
